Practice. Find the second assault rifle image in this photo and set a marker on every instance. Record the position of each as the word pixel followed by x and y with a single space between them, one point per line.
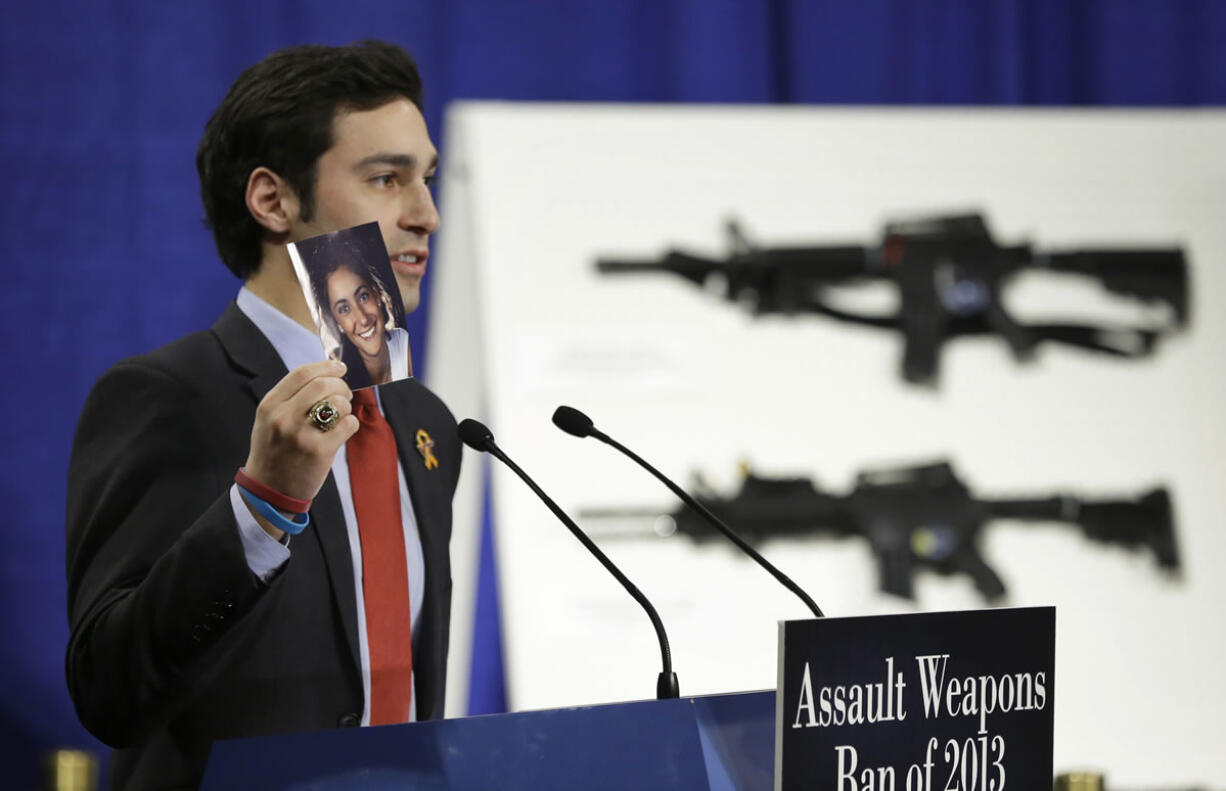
pixel 949 273
pixel 920 517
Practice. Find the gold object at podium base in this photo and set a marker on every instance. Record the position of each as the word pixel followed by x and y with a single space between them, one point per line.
pixel 1080 781
pixel 71 770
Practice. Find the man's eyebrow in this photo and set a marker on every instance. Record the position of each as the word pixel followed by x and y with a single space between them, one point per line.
pixel 395 160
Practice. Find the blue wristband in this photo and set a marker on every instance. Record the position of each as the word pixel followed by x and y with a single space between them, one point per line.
pixel 264 509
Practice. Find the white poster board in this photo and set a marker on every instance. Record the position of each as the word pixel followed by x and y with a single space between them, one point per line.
pixel 522 323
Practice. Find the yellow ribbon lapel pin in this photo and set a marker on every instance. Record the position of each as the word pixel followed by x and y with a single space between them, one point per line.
pixel 425 446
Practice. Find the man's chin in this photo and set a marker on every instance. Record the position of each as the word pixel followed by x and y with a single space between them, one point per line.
pixel 410 292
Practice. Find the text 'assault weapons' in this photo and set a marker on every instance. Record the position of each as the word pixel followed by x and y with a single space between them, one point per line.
pixel 949 274
pixel 920 518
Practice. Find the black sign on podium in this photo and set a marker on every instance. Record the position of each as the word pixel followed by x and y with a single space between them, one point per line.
pixel 958 701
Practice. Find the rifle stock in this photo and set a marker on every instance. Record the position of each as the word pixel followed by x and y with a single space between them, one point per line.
pixel 1159 275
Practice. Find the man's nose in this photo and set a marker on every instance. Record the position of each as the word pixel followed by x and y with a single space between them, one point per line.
pixel 419 213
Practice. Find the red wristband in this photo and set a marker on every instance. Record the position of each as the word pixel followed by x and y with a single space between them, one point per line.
pixel 270 495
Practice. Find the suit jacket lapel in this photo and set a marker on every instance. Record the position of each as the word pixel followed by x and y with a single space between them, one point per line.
pixel 249 350
pixel 398 410
pixel 252 353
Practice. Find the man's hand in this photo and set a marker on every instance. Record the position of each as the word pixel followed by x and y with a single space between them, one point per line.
pixel 288 451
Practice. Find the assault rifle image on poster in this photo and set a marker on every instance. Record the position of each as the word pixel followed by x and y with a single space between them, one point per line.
pixel 949 274
pixel 914 518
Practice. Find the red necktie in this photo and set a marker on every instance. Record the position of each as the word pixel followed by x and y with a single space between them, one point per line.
pixel 385 577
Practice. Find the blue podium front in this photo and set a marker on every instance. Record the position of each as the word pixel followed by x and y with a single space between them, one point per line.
pixel 720 742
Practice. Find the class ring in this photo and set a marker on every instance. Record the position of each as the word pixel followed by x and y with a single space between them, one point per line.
pixel 323 415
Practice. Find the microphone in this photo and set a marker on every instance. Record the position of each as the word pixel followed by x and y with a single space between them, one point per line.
pixel 476 436
pixel 574 422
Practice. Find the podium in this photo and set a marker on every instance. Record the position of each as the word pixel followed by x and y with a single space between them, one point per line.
pixel 723 742
pixel 863 704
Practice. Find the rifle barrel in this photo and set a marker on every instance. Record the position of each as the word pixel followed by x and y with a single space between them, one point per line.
pixel 690 267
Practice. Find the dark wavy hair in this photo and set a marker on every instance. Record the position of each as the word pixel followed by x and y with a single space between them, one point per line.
pixel 279 114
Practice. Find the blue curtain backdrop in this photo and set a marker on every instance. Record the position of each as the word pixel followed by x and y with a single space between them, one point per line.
pixel 105 256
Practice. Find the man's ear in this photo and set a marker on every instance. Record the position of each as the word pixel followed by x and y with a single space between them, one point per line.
pixel 271 201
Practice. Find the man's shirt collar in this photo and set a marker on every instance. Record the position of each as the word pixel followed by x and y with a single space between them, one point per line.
pixel 295 344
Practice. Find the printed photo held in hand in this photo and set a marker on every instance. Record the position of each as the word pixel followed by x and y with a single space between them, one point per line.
pixel 345 276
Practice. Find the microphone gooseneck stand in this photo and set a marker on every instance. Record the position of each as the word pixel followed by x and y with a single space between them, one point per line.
pixel 476 436
pixel 574 422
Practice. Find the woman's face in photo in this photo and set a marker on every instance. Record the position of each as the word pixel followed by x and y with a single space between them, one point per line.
pixel 355 307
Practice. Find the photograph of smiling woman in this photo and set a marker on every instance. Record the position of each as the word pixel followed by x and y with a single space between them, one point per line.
pixel 358 320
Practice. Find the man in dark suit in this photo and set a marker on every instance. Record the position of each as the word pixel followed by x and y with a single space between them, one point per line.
pixel 194 614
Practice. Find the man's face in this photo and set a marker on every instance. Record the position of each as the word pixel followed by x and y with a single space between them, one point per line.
pixel 379 169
